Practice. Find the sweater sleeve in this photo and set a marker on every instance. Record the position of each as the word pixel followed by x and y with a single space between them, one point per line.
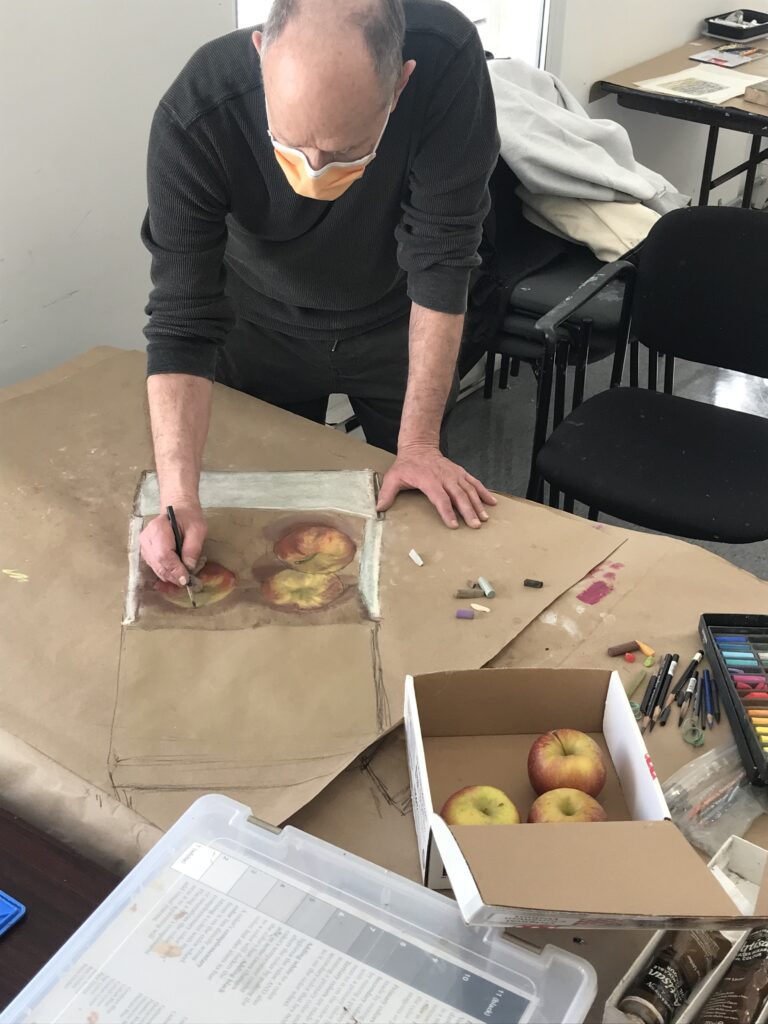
pixel 185 231
pixel 441 227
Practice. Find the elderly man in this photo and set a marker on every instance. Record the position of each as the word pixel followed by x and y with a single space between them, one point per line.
pixel 316 197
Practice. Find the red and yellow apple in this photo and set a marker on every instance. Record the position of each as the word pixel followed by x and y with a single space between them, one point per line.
pixel 566 758
pixel 216 583
pixel 559 805
pixel 315 549
pixel 301 591
pixel 479 805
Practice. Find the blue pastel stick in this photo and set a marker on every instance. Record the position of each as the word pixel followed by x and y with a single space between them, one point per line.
pixel 733 639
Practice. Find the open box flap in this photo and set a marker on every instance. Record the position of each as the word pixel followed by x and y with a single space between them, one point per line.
pixel 645 869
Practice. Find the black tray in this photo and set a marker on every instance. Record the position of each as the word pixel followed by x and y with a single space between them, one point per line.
pixel 739 33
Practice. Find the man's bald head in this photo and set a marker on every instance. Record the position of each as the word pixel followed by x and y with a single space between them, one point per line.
pixel 381 23
pixel 333 71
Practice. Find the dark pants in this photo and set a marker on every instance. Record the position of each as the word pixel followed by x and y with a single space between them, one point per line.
pixel 300 375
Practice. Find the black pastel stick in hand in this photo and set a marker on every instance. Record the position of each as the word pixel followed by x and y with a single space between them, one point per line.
pixel 179 542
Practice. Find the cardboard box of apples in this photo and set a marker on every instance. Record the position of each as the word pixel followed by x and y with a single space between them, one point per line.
pixel 554 761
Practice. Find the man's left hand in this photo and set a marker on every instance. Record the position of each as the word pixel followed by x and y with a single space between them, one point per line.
pixel 449 487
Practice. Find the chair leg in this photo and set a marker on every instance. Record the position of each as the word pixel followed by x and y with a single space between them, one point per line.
pixel 490 364
pixel 561 371
pixel 653 368
pixel 594 514
pixel 568 503
pixel 580 370
pixel 543 398
pixel 634 364
pixel 669 374
pixel 504 373
pixel 514 368
pixel 535 491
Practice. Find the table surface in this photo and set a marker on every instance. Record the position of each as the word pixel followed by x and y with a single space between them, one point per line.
pixel 58 887
pixel 678 60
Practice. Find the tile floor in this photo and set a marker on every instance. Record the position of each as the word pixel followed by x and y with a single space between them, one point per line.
pixel 493 438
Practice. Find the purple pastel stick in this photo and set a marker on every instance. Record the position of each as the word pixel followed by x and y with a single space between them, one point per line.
pixel 465 613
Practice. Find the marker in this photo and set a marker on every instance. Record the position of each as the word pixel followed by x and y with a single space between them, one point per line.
pixel 682 685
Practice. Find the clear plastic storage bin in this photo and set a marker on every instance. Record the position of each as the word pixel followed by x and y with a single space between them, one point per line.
pixel 225 920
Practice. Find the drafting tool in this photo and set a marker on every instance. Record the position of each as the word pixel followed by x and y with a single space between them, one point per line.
pixel 179 541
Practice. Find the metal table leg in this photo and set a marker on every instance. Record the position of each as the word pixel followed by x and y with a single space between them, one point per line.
pixel 709 164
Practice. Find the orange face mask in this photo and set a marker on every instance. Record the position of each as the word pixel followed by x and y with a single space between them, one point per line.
pixel 330 181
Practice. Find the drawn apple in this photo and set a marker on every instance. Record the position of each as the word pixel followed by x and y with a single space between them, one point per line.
pixel 216 581
pixel 315 549
pixel 301 591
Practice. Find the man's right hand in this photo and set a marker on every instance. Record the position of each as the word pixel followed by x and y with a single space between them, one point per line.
pixel 159 549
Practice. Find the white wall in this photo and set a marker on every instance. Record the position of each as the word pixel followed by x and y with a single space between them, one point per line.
pixel 590 39
pixel 79 82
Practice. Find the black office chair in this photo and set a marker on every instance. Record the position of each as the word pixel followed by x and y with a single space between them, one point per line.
pixel 664 462
pixel 525 272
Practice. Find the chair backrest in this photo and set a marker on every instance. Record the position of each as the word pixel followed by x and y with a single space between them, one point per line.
pixel 700 291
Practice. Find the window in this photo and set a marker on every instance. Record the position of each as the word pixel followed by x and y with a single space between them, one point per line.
pixel 507 29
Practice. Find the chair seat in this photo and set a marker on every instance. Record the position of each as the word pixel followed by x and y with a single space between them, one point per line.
pixel 542 291
pixel 666 463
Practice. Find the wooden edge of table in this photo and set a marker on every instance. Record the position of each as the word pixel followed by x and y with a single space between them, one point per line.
pixel 625 82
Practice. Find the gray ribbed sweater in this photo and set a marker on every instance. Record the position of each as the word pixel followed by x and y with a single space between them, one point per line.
pixel 228 236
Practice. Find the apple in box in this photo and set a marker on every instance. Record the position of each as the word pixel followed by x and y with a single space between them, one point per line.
pixel 566 759
pixel 563 805
pixel 479 805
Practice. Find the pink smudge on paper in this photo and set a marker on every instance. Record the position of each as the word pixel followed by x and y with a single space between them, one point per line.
pixel 602 586
pixel 595 592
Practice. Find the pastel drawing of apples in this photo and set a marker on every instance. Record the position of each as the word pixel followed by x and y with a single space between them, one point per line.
pixel 315 549
pixel 301 591
pixel 216 584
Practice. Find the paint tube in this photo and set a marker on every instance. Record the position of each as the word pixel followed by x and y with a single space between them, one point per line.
pixel 743 991
pixel 679 965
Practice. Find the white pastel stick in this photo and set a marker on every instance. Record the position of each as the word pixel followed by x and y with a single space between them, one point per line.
pixel 415 557
pixel 480 608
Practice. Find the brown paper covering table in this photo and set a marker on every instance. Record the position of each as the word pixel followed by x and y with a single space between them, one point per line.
pixel 651 588
pixel 735 114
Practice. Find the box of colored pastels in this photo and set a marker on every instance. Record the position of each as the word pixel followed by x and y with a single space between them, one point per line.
pixel 737 648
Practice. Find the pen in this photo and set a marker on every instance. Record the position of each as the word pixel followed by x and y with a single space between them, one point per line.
pixel 179 540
